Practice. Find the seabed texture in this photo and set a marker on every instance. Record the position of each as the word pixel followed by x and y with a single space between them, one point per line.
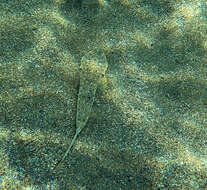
pixel 147 128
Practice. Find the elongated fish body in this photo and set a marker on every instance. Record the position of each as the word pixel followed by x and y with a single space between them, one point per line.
pixel 93 68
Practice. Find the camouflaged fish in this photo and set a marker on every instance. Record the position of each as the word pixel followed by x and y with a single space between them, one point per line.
pixel 92 69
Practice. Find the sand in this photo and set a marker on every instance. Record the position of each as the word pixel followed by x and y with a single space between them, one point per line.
pixel 147 129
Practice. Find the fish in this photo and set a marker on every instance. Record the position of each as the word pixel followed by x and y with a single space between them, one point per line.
pixel 92 70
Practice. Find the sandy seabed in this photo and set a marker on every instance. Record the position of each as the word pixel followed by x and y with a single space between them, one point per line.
pixel 148 125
